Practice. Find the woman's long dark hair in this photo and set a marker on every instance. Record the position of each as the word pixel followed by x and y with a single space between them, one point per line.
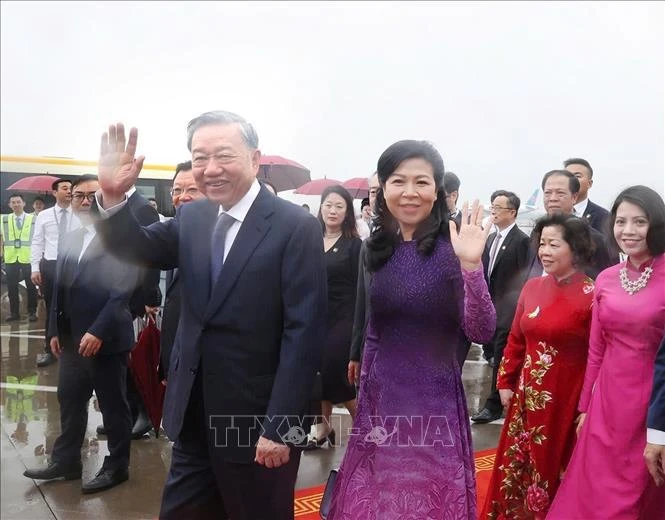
pixel 381 245
pixel 349 229
pixel 652 204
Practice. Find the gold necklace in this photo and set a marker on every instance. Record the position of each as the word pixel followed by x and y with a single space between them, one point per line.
pixel 633 286
pixel 326 235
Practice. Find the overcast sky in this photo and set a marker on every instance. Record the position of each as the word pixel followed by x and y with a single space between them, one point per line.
pixel 506 91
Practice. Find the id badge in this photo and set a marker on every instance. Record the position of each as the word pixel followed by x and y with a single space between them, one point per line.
pixel 17 243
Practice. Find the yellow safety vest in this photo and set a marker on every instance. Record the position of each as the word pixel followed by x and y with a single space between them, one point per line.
pixel 17 241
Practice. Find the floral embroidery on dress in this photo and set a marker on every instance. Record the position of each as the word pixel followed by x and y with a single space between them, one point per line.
pixel 524 492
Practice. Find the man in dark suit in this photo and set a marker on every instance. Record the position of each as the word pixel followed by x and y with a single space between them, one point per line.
pixel 505 261
pixel 90 330
pixel 451 184
pixel 183 191
pixel 146 297
pixel 596 215
pixel 654 452
pixel 560 189
pixel 252 321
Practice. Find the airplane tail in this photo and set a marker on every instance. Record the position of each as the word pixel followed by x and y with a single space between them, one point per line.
pixel 533 200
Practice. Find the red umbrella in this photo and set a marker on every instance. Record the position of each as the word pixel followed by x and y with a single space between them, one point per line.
pixel 37 183
pixel 316 187
pixel 143 363
pixel 284 173
pixel 358 187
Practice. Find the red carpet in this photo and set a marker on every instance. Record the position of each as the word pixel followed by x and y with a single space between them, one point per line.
pixel 308 500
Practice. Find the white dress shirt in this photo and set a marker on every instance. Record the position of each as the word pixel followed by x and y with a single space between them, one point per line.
pixel 655 436
pixel 90 233
pixel 238 212
pixel 45 236
pixel 503 234
pixel 580 208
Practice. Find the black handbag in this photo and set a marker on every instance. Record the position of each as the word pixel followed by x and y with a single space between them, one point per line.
pixel 324 509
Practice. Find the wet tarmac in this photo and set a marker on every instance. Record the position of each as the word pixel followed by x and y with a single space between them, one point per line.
pixel 31 422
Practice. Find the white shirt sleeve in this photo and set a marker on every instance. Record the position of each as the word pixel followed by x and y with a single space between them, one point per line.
pixel 106 213
pixel 38 242
pixel 655 436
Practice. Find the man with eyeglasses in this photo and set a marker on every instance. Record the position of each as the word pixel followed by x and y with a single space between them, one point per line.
pixel 90 330
pixel 505 261
pixel 50 225
pixel 184 191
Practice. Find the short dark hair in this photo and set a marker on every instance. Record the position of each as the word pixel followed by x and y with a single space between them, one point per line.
pixel 11 196
pixel 581 162
pixel 349 228
pixel 513 199
pixel 451 182
pixel 83 178
pixel 652 204
pixel 56 184
pixel 182 167
pixel 152 199
pixel 573 182
pixel 363 203
pixel 576 233
pixel 305 206
pixel 38 198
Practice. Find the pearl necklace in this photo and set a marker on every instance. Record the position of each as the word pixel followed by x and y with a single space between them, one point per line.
pixel 630 286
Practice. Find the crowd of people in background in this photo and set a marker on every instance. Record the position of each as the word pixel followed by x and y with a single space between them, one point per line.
pixel 377 311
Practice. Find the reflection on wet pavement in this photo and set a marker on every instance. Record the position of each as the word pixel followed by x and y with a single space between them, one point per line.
pixel 31 422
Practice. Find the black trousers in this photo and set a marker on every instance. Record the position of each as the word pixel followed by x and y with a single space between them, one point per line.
pixel 78 376
pixel 15 273
pixel 200 485
pixel 47 270
pixel 493 402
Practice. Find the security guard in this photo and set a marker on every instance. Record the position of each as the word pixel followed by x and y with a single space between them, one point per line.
pixel 17 232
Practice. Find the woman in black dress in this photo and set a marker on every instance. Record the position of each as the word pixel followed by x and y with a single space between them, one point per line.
pixel 342 250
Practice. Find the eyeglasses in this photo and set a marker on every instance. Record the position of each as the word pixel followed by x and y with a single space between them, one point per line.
pixel 80 196
pixel 177 192
pixel 498 208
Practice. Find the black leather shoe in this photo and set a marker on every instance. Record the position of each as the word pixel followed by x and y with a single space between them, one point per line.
pixel 12 318
pixel 54 470
pixel 105 479
pixel 46 359
pixel 485 416
pixel 141 426
pixel 32 317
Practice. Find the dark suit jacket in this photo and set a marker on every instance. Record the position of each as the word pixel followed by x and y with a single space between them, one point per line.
pixel 656 417
pixel 508 275
pixel 598 217
pixel 92 295
pixel 170 319
pixel 361 314
pixel 148 292
pixel 256 336
pixel 602 259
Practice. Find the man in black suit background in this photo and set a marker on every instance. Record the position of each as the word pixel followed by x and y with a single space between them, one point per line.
pixel 147 297
pixel 183 191
pixel 252 321
pixel 90 330
pixel 505 262
pixel 451 184
pixel 560 189
pixel 596 215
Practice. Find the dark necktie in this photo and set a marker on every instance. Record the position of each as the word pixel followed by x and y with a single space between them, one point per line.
pixel 493 252
pixel 224 223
